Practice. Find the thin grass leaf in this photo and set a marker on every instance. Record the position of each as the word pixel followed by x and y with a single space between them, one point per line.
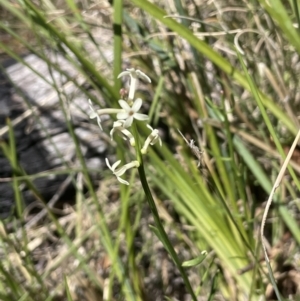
pixel 117 28
pixel 86 65
pixel 217 59
pixel 213 288
pixel 267 121
pixel 279 14
pixel 69 297
pixel 275 186
pixel 252 164
pixel 195 261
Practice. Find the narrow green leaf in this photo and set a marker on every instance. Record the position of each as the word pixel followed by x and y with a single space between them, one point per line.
pixel 252 164
pixel 279 14
pixel 69 297
pixel 117 28
pixel 195 261
pixel 216 58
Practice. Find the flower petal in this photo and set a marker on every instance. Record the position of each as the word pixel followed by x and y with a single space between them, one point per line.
pixel 118 123
pixel 139 116
pixel 108 164
pixel 143 76
pixel 128 122
pixel 112 134
pixel 124 105
pixel 93 115
pixel 150 127
pixel 99 123
pixel 120 172
pixel 124 73
pixel 137 104
pixel 122 181
pixel 115 165
pixel 122 115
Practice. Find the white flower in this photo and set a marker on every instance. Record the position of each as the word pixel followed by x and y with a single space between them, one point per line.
pixel 98 113
pixel 119 126
pixel 129 113
pixel 119 172
pixel 94 114
pixel 134 75
pixel 152 139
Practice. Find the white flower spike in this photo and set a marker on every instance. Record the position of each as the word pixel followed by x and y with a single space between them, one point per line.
pixel 152 139
pixel 134 75
pixel 119 126
pixel 129 113
pixel 119 172
pixel 94 114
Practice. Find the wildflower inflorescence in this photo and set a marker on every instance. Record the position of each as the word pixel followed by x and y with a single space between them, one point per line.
pixel 125 117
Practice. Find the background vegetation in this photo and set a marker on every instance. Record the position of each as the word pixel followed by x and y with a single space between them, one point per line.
pixel 223 72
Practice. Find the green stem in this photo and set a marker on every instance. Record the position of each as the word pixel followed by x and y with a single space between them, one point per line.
pixel 162 235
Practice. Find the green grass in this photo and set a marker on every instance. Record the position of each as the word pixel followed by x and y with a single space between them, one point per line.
pixel 138 242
